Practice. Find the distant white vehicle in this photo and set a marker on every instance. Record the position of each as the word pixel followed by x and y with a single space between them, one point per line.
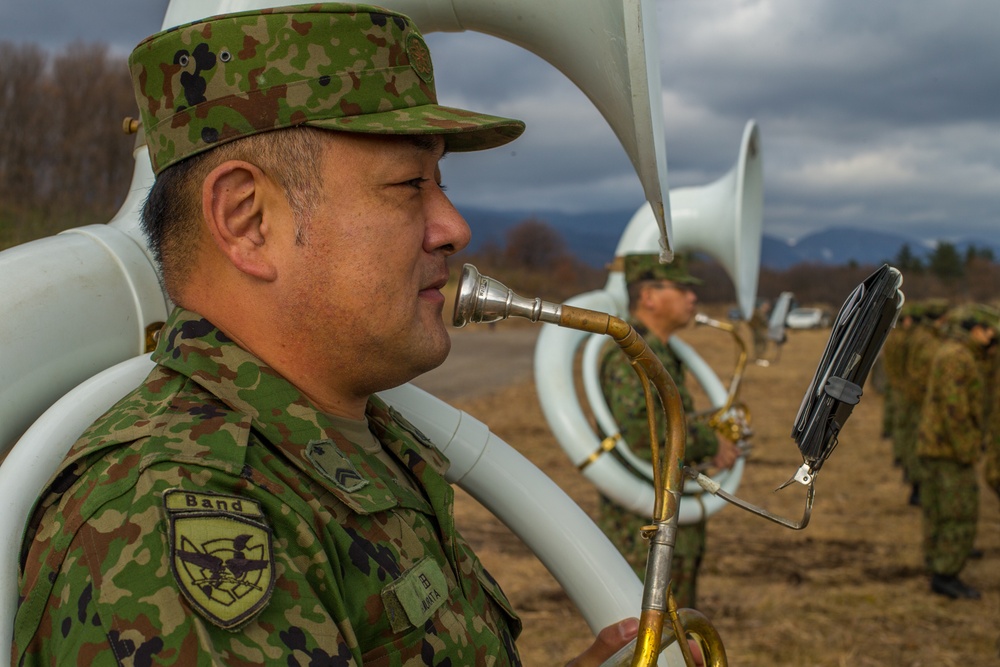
pixel 807 318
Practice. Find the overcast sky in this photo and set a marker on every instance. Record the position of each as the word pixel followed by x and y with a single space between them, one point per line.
pixel 882 115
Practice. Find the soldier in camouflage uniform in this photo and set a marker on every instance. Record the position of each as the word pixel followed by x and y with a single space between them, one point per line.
pixel 949 441
pixel 894 354
pixel 252 502
pixel 924 338
pixel 661 301
pixel 991 450
pixel 991 454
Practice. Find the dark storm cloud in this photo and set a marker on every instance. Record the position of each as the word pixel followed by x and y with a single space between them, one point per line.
pixel 872 114
pixel 914 61
pixel 53 23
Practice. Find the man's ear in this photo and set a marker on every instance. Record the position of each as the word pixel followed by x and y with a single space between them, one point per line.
pixel 644 292
pixel 232 200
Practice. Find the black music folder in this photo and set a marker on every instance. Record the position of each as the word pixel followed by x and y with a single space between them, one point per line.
pixel 858 333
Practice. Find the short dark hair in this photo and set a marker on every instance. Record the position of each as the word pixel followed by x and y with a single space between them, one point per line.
pixel 172 212
pixel 635 292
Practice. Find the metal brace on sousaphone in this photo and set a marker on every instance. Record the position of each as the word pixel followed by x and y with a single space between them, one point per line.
pixel 732 419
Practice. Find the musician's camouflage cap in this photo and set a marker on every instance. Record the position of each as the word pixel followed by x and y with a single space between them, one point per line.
pixel 914 309
pixel 352 68
pixel 970 314
pixel 648 267
pixel 934 309
pixel 926 309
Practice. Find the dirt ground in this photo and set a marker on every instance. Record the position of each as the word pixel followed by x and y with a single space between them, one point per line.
pixel 848 589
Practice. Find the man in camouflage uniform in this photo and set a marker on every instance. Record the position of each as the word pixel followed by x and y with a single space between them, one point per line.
pixel 991 451
pixel 924 338
pixel 661 302
pixel 252 503
pixel 949 441
pixel 894 354
pixel 991 456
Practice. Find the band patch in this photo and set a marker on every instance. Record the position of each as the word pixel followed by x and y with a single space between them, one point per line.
pixel 221 554
pixel 334 465
pixel 415 596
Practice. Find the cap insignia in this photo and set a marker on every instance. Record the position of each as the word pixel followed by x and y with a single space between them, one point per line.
pixel 420 57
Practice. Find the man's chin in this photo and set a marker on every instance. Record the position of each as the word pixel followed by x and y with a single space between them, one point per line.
pixel 432 351
pixel 441 353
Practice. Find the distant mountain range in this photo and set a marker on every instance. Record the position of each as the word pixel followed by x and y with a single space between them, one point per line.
pixel 593 237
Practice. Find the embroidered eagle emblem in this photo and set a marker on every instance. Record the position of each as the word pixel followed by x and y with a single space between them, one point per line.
pixel 221 555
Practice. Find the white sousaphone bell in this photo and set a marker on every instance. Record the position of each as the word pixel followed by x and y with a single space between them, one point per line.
pixel 723 219
pixel 82 305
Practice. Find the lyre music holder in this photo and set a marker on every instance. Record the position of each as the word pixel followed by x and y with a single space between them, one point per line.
pixel 860 330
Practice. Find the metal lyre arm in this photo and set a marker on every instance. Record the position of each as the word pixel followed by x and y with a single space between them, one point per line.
pixel 741 361
pixel 732 419
pixel 483 299
pixel 711 487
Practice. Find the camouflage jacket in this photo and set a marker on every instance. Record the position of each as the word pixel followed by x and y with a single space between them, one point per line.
pixel 924 341
pixel 951 422
pixel 213 516
pixel 894 354
pixel 623 392
pixel 991 464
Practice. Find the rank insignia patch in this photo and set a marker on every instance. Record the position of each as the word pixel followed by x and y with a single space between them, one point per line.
pixel 334 465
pixel 221 555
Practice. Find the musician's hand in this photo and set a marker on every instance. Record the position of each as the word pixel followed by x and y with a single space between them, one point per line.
pixel 613 637
pixel 608 640
pixel 727 454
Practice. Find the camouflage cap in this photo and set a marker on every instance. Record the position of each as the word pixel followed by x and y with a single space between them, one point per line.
pixel 351 68
pixel 648 267
pixel 914 309
pixel 934 308
pixel 971 314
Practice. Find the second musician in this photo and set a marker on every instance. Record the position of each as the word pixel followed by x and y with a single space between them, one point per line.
pixel 661 302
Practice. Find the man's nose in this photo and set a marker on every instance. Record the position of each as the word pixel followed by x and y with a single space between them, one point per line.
pixel 447 230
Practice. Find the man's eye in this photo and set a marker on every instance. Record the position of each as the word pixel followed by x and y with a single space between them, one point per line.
pixel 418 183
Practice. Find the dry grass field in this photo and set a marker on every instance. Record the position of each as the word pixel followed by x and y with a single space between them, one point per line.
pixel 847 590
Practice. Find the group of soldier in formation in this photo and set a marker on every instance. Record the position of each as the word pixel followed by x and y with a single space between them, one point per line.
pixel 942 414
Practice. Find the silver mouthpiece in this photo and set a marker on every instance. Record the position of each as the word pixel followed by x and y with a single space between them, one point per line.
pixel 483 299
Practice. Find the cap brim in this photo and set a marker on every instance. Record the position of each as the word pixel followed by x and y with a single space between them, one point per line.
pixel 462 130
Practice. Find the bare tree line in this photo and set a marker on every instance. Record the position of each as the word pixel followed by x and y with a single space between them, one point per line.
pixel 64 159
